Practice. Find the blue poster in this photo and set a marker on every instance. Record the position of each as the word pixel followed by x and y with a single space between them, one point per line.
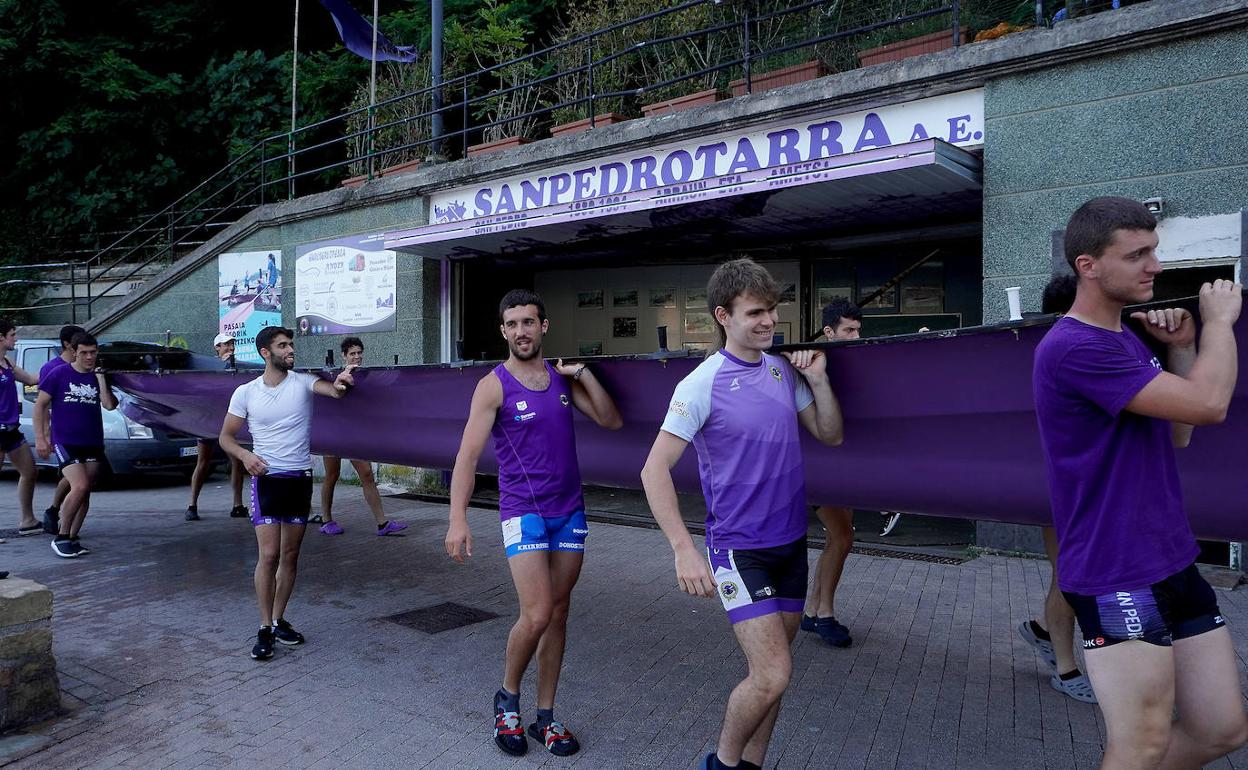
pixel 249 290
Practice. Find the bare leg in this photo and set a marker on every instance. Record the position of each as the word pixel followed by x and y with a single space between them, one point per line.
pixel 371 496
pixel 1059 618
pixel 1211 721
pixel 565 569
pixel 333 469
pixel 25 465
pixel 287 567
pixel 839 525
pixel 765 641
pixel 203 469
pixel 1134 682
pixel 80 477
pixel 531 574
pixel 756 749
pixel 269 541
pixel 62 491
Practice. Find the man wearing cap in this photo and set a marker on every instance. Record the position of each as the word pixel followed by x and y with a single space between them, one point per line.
pixel 224 345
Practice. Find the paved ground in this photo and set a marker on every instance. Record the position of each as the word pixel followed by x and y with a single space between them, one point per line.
pixel 153 628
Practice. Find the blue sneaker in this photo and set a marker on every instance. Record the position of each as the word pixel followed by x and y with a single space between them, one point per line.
pixel 808 623
pixel 557 738
pixel 832 632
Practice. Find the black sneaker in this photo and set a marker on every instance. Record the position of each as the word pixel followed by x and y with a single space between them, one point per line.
pixel 264 644
pixel 192 513
pixel 52 521
pixel 239 512
pixel 66 549
pixel 286 634
pixel 82 549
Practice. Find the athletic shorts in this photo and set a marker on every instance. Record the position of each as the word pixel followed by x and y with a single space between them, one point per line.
pixel 534 532
pixel 11 437
pixel 281 497
pixel 1181 606
pixel 77 454
pixel 759 581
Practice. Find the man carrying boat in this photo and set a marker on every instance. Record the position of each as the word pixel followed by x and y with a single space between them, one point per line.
pixel 1155 641
pixel 741 409
pixel 842 320
pixel 526 404
pixel 277 408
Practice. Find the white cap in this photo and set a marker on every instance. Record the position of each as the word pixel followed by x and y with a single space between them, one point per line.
pixel 222 338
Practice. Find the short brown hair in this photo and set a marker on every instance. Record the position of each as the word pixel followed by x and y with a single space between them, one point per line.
pixel 734 279
pixel 1091 228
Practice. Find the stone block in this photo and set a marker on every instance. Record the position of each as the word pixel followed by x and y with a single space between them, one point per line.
pixel 23 601
pixel 33 642
pixel 29 702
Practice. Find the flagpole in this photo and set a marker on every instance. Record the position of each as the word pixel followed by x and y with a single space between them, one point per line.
pixel 372 92
pixel 294 90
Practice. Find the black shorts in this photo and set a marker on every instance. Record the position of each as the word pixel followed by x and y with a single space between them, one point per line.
pixel 11 437
pixel 1181 606
pixel 281 497
pixel 77 454
pixel 759 581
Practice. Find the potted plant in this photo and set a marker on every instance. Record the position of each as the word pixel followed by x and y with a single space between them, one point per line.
pixel 913 46
pixel 495 42
pixel 785 76
pixel 400 138
pixel 591 67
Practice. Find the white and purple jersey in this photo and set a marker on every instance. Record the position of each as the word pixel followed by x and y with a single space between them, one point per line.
pixel 536 449
pixel 742 419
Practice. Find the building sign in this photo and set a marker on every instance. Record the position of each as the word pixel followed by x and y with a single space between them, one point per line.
pixel 249 293
pixel 345 286
pixel 766 157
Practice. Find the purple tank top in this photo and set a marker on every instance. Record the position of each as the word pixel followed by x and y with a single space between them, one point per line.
pixel 10 412
pixel 536 449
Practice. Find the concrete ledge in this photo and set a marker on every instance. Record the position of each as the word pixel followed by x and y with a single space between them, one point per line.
pixel 23 601
pixel 29 689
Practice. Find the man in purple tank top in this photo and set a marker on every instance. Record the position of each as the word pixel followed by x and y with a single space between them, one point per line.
pixel 12 442
pixel 741 409
pixel 1110 415
pixel 525 404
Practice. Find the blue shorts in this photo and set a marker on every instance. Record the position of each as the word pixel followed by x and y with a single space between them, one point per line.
pixel 534 532
pixel 281 497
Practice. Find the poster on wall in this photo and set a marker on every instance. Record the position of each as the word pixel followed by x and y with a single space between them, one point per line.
pixel 345 286
pixel 249 297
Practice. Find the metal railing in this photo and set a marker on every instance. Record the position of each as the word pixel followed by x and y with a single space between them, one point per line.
pixel 617 67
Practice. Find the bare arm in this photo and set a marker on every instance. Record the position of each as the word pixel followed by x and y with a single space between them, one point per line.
pixel 1180 363
pixel 692 572
pixel 43 424
pixel 108 399
pixel 590 397
pixel 486 401
pixel 822 419
pixel 23 376
pixel 229 442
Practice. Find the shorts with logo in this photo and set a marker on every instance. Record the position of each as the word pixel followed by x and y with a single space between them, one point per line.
pixel 77 454
pixel 11 437
pixel 281 497
pixel 534 532
pixel 1181 606
pixel 760 581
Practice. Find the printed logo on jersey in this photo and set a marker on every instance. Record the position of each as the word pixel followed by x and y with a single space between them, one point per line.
pixel 1156 364
pixel 563 399
pixel 522 405
pixel 82 394
pixel 775 372
pixel 680 408
pixel 525 417
pixel 735 385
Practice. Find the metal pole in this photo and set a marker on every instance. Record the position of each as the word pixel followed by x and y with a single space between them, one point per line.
pixel 957 38
pixel 1040 13
pixel 372 92
pixel 745 57
pixel 435 51
pixel 589 65
pixel 294 91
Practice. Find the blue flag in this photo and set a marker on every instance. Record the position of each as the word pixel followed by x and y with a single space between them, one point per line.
pixel 357 34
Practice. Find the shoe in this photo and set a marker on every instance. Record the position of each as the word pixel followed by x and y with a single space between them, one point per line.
pixel 808 623
pixel 192 513
pixel 264 644
pixel 82 549
pixel 65 549
pixel 832 632
pixel 331 528
pixel 390 528
pixel 509 733
pixel 33 529
pixel 52 521
pixel 557 739
pixel 1043 647
pixel 286 634
pixel 1079 688
pixel 315 519
pixel 239 512
pixel 889 523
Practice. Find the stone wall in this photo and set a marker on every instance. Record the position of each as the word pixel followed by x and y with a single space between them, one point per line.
pixel 28 685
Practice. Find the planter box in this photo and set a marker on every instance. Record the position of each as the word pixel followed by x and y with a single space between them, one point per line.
pixel 681 103
pixel 904 49
pixel 605 119
pixel 400 168
pixel 355 181
pixel 506 143
pixel 787 76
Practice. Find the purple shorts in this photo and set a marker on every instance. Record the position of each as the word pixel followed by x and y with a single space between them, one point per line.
pixel 11 437
pixel 281 497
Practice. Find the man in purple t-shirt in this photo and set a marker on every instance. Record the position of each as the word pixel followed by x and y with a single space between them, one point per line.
pixel 1155 641
pixel 73 395
pixel 526 404
pixel 741 409
pixel 52 516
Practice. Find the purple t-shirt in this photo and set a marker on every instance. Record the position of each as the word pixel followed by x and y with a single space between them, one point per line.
pixel 54 363
pixel 1113 481
pixel 10 410
pixel 742 420
pixel 536 449
pixel 76 418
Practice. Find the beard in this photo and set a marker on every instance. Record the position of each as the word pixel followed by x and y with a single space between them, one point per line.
pixel 534 352
pixel 282 364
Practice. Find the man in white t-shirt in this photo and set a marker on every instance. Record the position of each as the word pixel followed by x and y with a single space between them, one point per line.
pixel 277 409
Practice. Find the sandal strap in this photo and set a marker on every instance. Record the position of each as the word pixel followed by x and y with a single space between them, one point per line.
pixel 508 723
pixel 555 731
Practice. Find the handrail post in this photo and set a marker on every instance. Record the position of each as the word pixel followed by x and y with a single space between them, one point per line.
pixel 957 37
pixel 589 65
pixel 372 128
pixel 1040 13
pixel 73 296
pixel 263 160
pixel 464 130
pixel 745 54
pixel 290 165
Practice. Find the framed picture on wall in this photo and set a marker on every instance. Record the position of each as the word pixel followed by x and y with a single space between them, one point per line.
pixel 623 298
pixel 699 323
pixel 695 297
pixel 589 300
pixel 622 327
pixel 663 297
pixel 593 348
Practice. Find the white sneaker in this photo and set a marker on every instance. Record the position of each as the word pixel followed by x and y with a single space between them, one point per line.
pixel 1079 688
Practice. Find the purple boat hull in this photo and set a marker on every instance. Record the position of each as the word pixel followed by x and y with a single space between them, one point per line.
pixel 938 424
